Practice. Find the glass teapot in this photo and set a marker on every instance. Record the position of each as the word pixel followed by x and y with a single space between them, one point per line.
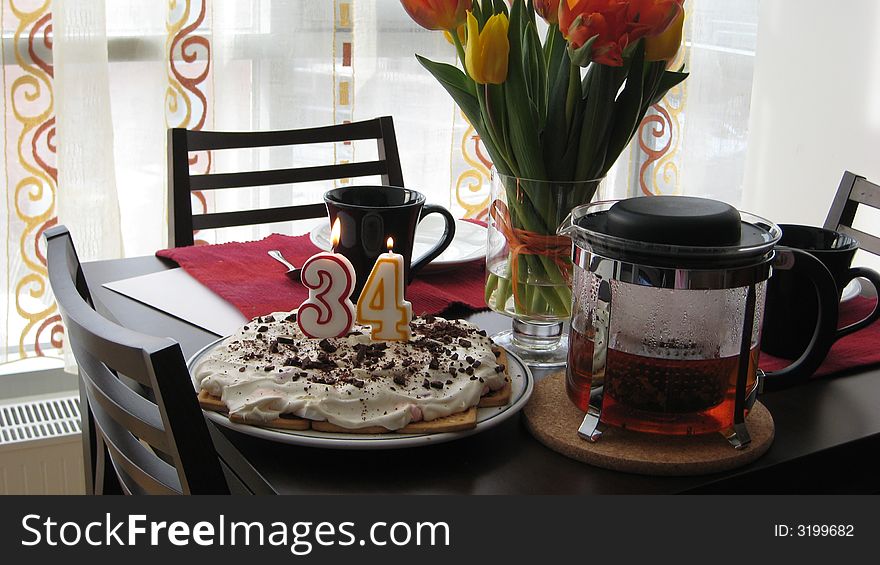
pixel 668 298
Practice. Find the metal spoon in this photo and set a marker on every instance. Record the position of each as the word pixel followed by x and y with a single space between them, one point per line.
pixel 292 272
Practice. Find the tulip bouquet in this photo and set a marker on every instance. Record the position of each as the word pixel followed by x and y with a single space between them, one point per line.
pixel 554 115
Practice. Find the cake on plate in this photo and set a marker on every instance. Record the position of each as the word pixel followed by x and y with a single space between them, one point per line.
pixel 269 374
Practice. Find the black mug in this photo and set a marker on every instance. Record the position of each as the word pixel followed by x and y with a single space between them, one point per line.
pixel 369 215
pixel 811 269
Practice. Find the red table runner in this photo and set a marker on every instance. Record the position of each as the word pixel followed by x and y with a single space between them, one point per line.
pixel 855 350
pixel 245 276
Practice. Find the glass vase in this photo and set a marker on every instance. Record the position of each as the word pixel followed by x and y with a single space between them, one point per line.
pixel 528 266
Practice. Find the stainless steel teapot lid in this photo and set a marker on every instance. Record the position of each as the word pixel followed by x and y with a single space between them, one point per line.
pixel 673 231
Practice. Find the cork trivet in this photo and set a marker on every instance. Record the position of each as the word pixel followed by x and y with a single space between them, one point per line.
pixel 553 420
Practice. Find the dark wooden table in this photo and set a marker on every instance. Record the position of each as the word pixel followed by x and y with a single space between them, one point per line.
pixel 827 436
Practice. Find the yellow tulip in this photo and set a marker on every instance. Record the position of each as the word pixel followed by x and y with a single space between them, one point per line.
pixel 665 46
pixel 459 32
pixel 486 51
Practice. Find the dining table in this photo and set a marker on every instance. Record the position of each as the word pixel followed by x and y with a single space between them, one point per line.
pixel 827 433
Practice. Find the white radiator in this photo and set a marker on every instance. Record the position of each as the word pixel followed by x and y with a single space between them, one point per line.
pixel 40 448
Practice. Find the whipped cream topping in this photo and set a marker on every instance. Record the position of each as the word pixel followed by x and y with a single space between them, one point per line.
pixel 269 368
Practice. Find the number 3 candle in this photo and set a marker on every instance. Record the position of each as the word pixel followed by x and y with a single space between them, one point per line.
pixel 328 311
pixel 381 304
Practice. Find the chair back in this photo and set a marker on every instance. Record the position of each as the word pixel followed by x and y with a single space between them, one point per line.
pixel 181 183
pixel 155 447
pixel 852 192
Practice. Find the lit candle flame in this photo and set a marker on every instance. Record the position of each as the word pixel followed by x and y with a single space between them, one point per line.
pixel 334 233
pixel 390 243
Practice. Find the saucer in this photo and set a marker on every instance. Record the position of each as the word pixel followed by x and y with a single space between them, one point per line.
pixel 469 243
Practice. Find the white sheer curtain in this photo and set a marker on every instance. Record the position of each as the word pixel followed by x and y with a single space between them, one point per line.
pixel 84 129
pixel 816 109
pixel 695 141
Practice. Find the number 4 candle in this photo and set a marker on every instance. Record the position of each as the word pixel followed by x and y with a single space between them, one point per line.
pixel 328 311
pixel 381 304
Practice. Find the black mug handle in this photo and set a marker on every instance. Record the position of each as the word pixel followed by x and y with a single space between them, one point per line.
pixel 804 264
pixel 874 278
pixel 445 239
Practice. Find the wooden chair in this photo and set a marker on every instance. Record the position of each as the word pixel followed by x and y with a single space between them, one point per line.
pixel 182 222
pixel 133 444
pixel 853 191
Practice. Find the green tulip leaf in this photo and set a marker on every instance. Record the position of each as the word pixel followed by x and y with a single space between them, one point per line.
pixel 668 80
pixel 581 55
pixel 629 106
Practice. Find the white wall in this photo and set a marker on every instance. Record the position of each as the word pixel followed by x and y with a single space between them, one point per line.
pixel 815 106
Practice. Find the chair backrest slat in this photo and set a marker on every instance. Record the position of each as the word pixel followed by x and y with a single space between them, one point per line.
pixel 287 176
pixel 853 191
pixel 867 241
pixel 181 183
pixel 123 404
pixel 255 217
pixel 120 345
pixel 120 419
pixel 133 461
pixel 218 140
pixel 866 192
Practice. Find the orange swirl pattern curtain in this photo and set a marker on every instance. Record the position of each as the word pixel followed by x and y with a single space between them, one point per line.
pixel 50 160
pixel 29 320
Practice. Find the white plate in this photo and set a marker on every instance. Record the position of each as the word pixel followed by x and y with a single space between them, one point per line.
pixel 850 291
pixel 520 380
pixel 469 243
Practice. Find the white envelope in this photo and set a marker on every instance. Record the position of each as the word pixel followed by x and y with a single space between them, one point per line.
pixel 177 293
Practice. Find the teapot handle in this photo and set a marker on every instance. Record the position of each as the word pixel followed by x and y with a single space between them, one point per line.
pixel 566 227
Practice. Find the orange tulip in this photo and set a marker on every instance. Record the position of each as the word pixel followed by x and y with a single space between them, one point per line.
pixel 548 9
pixel 652 17
pixel 664 47
pixel 614 23
pixel 437 14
